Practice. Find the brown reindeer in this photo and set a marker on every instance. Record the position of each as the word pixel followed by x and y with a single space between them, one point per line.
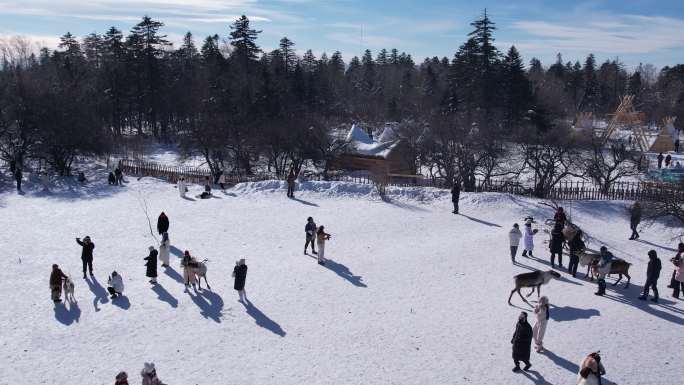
pixel 618 266
pixel 534 280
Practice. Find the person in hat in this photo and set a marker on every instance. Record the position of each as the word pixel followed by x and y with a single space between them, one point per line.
pixel 57 277
pixel 528 237
pixel 590 370
pixel 310 231
pixel 240 275
pixel 87 248
pixel 164 250
pixel 121 379
pixel 539 329
pixel 455 196
pixel 514 237
pixel 321 238
pixel 560 216
pixel 149 375
pixel 151 265
pixel 522 343
pixel 115 285
pixel 604 264
pixel 556 244
pixel 652 275
pixel 634 220
pixel 162 223
pixel 576 246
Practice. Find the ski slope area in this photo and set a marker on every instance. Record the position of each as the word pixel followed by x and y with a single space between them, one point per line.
pixel 412 294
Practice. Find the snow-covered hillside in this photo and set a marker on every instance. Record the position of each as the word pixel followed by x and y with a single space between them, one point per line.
pixel 412 294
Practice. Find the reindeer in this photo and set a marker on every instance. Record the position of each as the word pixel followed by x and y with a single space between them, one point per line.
pixel 68 286
pixel 199 270
pixel 534 280
pixel 617 266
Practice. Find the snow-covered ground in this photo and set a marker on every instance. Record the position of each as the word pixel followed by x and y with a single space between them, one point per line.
pixel 412 294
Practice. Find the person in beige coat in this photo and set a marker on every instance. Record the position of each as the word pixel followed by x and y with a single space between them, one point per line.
pixel 539 328
pixel 321 238
pixel 164 249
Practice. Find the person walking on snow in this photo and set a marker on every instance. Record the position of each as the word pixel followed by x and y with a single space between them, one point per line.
pixel 556 244
pixel 522 341
pixel 115 285
pixel 528 237
pixel 149 375
pixel 676 261
pixel 604 264
pixel 539 329
pixel 188 275
pixel 591 370
pixel 321 238
pixel 151 265
pixel 310 231
pixel 182 189
pixel 164 248
pixel 652 275
pixel 162 223
pixel 119 176
pixel 514 237
pixel 660 160
pixel 678 280
pixel 455 195
pixel 87 248
pixel 240 275
pixel 576 246
pixel 56 279
pixel 634 220
pixel 291 184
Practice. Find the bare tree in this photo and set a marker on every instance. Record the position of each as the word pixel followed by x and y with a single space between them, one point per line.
pixel 606 166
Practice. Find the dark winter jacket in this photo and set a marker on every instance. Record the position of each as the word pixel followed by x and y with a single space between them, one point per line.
pixel 240 273
pixel 522 341
pixel 18 174
pixel 455 193
pixel 560 217
pixel 556 243
pixel 635 217
pixel 291 179
pixel 576 244
pixel 56 277
pixel 152 264
pixel 310 230
pixel 87 250
pixel 162 223
pixel 653 269
pixel 118 172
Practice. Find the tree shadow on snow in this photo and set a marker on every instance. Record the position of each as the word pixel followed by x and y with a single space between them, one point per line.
pixel 302 201
pixel 173 274
pixel 263 320
pixel 99 292
pixel 344 272
pixel 656 245
pixel 210 304
pixel 122 302
pixel 480 221
pixel 569 313
pixel 630 297
pixel 164 295
pixel 69 315
pixel 402 205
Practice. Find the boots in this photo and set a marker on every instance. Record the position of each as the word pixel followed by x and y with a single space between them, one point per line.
pixel 601 287
pixel 524 254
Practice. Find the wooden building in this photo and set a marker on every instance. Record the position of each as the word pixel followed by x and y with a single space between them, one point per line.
pixel 389 154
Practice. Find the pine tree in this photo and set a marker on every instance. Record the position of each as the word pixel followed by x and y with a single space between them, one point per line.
pixel 517 95
pixel 369 73
pixel 243 39
pixel 590 99
pixel 288 55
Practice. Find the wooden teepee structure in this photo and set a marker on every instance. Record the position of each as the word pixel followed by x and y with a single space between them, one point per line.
pixel 626 115
pixel 667 136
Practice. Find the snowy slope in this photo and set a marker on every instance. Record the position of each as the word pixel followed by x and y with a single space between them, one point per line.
pixel 412 294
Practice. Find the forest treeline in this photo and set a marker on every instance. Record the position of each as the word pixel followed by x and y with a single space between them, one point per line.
pixel 225 98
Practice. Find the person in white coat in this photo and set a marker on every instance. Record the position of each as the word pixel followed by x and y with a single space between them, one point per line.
pixel 222 180
pixel 181 187
pixel 115 285
pixel 539 328
pixel 528 238
pixel 149 375
pixel 321 238
pixel 164 248
pixel 514 237
pixel 591 370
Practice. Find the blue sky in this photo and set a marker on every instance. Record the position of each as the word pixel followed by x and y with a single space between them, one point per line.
pixel 633 31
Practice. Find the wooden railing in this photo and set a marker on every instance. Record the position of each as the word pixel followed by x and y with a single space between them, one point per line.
pixel 565 190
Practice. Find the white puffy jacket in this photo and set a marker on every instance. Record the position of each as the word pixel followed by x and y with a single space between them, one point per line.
pixel 116 282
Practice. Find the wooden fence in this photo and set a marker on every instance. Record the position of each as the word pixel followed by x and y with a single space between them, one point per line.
pixel 565 190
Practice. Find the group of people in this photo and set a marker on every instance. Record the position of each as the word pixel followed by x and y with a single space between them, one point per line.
pixel 115 284
pixel 318 235
pixel 148 374
pixel 115 177
pixel 668 160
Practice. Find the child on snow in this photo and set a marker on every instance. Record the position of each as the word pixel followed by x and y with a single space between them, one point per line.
pixel 240 275
pixel 514 237
pixel 115 285
pixel 529 237
pixel 539 329
pixel 321 238
pixel 151 265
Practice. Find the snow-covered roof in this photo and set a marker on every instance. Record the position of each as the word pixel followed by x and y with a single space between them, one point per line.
pixel 360 143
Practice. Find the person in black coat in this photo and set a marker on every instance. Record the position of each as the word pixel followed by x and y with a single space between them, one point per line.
pixel 556 244
pixel 652 275
pixel 634 220
pixel 240 275
pixel 151 265
pixel 119 176
pixel 17 176
pixel 310 231
pixel 455 195
pixel 162 223
pixel 87 248
pixel 576 246
pixel 660 160
pixel 111 179
pixel 522 343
